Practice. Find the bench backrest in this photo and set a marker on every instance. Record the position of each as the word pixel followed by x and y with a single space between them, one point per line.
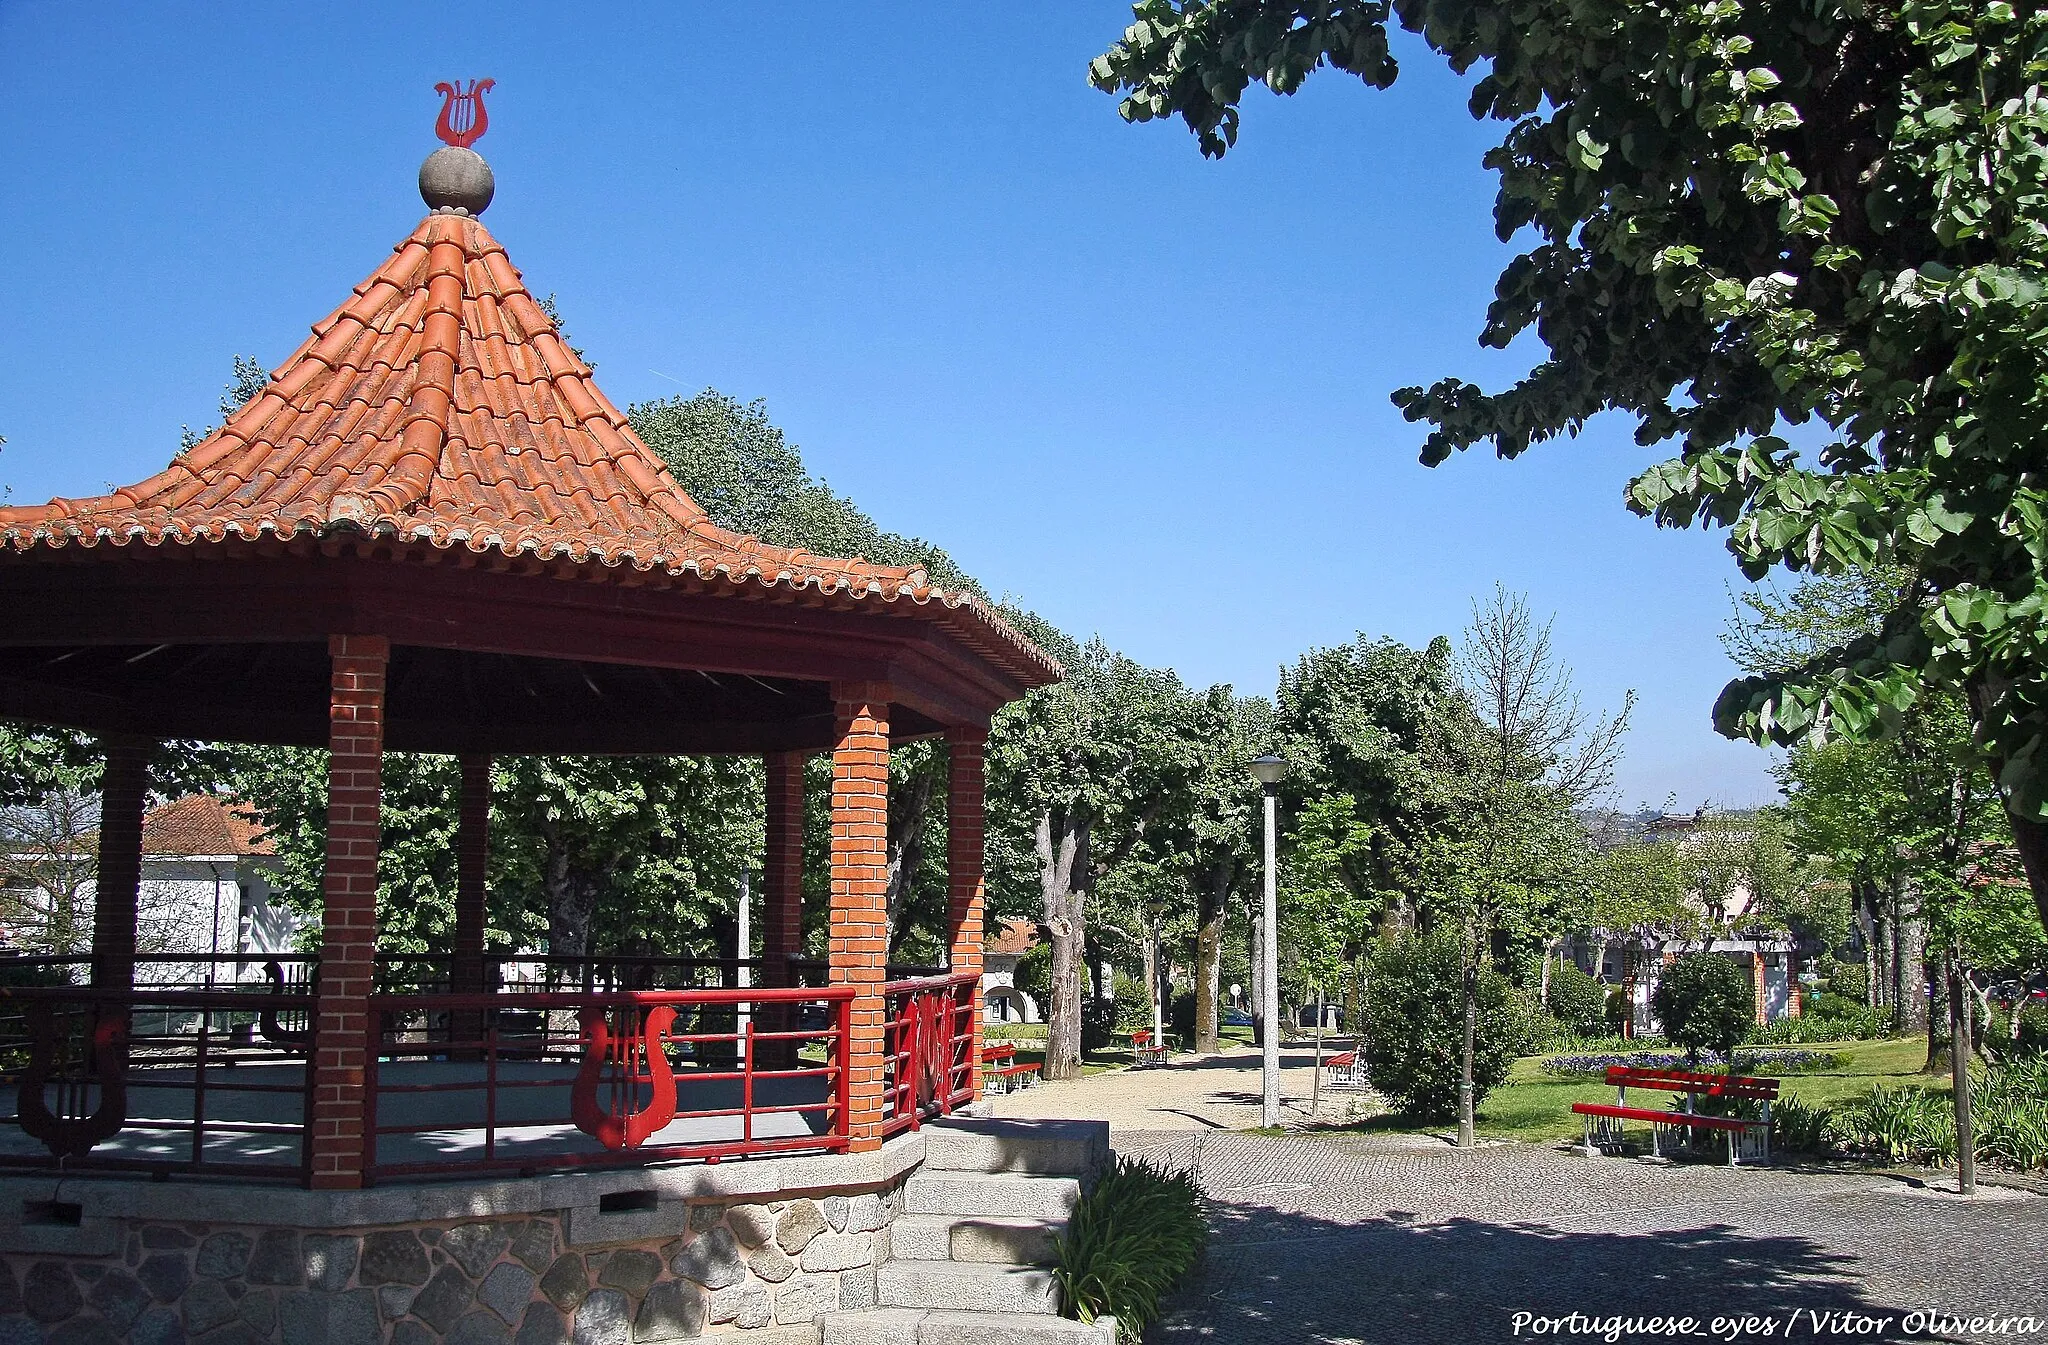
pixel 996 1052
pixel 1692 1081
pixel 1344 1061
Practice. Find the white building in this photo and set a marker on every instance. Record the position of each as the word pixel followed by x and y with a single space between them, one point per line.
pixel 206 889
pixel 1001 1000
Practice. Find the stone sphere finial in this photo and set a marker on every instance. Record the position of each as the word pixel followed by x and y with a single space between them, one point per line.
pixel 456 180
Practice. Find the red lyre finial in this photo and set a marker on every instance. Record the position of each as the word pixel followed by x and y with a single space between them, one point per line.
pixel 463 120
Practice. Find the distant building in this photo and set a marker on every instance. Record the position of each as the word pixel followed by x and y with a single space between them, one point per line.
pixel 1774 958
pixel 207 866
pixel 1001 1000
pixel 207 870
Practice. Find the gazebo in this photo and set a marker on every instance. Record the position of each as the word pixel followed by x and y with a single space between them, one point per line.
pixel 433 532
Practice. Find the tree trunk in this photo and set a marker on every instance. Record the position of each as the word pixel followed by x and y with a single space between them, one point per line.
pixel 2030 838
pixel 1543 991
pixel 1909 960
pixel 1939 1043
pixel 908 811
pixel 1062 842
pixel 1867 925
pixel 1255 936
pixel 572 902
pixel 1209 909
pixel 1959 1075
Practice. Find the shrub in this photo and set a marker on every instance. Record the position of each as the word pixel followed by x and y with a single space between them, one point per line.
pixel 1128 1242
pixel 1180 1018
pixel 2011 1114
pixel 1618 1011
pixel 1861 1025
pixel 1133 1002
pixel 1034 973
pixel 1578 1002
pixel 2031 1042
pixel 1902 1125
pixel 1706 1002
pixel 1414 1028
pixel 1850 980
pixel 1799 1127
pixel 1827 1004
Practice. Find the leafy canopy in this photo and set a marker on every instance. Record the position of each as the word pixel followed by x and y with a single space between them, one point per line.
pixel 1739 218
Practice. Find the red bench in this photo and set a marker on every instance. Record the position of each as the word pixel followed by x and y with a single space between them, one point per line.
pixel 1747 1138
pixel 1001 1071
pixel 1145 1050
pixel 1344 1071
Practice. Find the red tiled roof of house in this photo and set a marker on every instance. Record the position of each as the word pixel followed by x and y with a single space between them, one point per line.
pixel 202 824
pixel 1014 939
pixel 441 406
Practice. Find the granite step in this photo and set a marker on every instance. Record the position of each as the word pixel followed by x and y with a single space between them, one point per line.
pixel 910 1326
pixel 1047 1147
pixel 946 1285
pixel 991 1195
pixel 949 1237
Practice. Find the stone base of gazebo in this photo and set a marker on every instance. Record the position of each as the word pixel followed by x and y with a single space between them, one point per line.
pixel 763 1247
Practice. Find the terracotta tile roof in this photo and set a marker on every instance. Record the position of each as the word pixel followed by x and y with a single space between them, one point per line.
pixel 201 824
pixel 441 406
pixel 1014 939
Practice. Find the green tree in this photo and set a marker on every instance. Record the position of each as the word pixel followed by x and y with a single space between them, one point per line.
pixel 1739 218
pixel 1415 1026
pixel 1078 773
pixel 1213 837
pixel 1706 1002
pixel 1519 860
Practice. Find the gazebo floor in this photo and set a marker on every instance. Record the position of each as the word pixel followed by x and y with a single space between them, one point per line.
pixel 531 1122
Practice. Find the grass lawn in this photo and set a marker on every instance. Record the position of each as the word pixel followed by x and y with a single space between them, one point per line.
pixel 1537 1107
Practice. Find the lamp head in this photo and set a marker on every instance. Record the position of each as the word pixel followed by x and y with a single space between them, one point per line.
pixel 1270 769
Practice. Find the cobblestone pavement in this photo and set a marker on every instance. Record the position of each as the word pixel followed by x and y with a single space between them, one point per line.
pixel 1210 1092
pixel 1379 1239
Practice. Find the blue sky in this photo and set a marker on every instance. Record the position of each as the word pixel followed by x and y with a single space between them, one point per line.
pixel 1144 392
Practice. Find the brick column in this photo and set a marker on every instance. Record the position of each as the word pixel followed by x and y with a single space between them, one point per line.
pixel 964 786
pixel 782 899
pixel 1756 963
pixel 117 881
pixel 348 923
pixel 782 869
pixel 472 862
pixel 860 875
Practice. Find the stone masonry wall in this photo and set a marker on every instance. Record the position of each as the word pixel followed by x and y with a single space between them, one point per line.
pixel 761 1271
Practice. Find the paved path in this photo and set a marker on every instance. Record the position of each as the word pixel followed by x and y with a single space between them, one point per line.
pixel 1214 1092
pixel 1350 1238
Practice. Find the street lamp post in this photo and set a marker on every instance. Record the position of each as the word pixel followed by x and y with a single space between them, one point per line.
pixel 1270 770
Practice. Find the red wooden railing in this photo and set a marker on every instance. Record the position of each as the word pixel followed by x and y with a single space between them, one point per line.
pixel 198 1078
pixel 928 1047
pixel 184 1078
pixel 509 1080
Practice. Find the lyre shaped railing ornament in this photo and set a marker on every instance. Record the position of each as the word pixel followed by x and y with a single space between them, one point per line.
pixel 79 1053
pixel 924 1037
pixel 274 1031
pixel 625 1089
pixel 463 120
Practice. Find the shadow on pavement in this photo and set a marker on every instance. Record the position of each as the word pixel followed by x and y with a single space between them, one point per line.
pixel 1274 1276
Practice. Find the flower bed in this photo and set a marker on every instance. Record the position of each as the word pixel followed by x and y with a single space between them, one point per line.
pixel 1765 1060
